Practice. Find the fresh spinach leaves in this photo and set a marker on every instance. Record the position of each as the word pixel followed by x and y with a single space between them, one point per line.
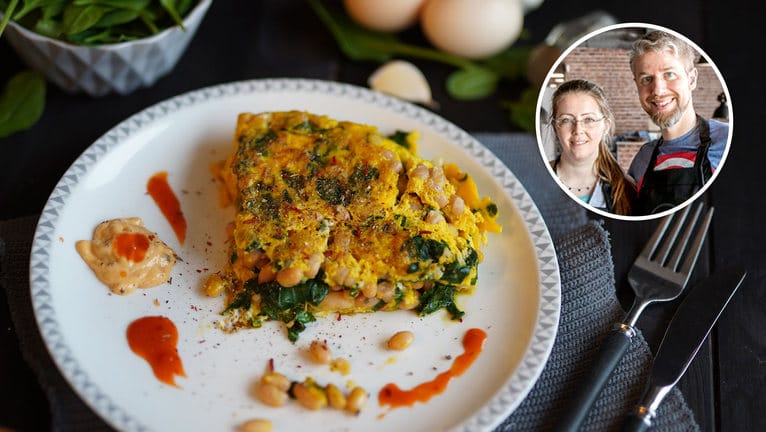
pixel 287 304
pixel 96 22
pixel 22 102
pixel 437 297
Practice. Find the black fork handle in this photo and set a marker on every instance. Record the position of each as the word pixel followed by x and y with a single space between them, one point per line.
pixel 612 350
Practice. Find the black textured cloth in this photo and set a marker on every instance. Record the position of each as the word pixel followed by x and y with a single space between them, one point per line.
pixel 588 309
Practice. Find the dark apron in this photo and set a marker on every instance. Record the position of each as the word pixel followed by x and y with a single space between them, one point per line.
pixel 663 190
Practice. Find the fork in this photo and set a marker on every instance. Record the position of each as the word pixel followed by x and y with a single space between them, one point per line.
pixel 657 275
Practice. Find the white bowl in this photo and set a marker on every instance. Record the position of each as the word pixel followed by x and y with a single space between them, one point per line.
pixel 103 69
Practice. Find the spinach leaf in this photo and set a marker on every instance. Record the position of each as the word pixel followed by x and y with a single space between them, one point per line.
pixel 22 102
pixel 170 7
pixel 116 17
pixel 7 14
pixel 77 19
pixel 287 304
pixel 456 271
pixel 438 297
pixel 472 83
pixel 134 5
pixel 423 249
pixel 400 137
pixel 31 5
pixel 95 22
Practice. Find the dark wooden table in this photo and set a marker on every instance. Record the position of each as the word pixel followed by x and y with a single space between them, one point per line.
pixel 246 39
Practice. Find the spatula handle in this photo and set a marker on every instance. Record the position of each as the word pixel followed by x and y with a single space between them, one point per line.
pixel 612 350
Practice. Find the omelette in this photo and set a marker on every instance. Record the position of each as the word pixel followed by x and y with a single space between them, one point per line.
pixel 333 217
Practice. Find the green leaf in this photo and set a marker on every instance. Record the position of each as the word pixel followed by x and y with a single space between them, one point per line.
pixel 170 7
pixel 49 27
pixel 148 19
pixel 22 102
pixel 184 6
pixel 77 19
pixel 510 63
pixel 355 41
pixel 472 83
pixel 116 17
pixel 134 5
pixel 30 5
pixel 438 297
pixel 7 14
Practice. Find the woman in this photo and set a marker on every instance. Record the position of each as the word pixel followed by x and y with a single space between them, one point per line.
pixel 584 124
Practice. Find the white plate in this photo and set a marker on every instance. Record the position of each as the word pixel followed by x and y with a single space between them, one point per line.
pixel 516 302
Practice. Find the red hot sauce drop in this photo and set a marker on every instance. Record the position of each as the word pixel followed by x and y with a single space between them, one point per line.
pixel 154 339
pixel 393 396
pixel 166 199
pixel 131 246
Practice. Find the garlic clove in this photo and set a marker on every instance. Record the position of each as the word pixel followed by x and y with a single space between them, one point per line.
pixel 402 79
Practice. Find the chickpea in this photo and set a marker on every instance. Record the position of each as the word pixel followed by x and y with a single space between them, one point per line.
pixel 277 380
pixel 315 263
pixel 369 289
pixel 420 171
pixel 266 274
pixel 356 400
pixel 320 352
pixel 340 275
pixel 337 301
pixel 310 396
pixel 335 397
pixel 386 291
pixel 441 200
pixel 401 340
pixel 256 425
pixel 458 206
pixel 270 395
pixel 434 217
pixel 289 276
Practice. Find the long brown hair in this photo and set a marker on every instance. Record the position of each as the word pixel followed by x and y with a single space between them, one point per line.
pixel 606 166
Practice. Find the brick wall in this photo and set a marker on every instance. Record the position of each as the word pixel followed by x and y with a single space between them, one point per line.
pixel 625 152
pixel 609 68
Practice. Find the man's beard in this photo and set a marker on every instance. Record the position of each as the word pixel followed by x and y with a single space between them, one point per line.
pixel 667 120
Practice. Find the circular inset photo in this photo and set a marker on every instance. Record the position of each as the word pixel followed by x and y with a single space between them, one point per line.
pixel 634 121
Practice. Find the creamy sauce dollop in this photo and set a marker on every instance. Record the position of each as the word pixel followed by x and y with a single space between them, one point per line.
pixel 125 255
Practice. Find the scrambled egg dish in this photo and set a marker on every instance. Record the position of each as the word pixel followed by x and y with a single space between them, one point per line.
pixel 334 217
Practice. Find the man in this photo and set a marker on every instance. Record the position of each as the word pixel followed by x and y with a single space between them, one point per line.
pixel 669 170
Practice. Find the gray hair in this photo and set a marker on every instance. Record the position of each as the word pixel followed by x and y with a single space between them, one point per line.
pixel 659 41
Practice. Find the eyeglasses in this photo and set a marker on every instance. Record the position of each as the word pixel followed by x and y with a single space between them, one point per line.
pixel 569 123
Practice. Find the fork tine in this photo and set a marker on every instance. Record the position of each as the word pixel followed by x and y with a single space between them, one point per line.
pixel 654 240
pixel 667 243
pixel 680 245
pixel 696 247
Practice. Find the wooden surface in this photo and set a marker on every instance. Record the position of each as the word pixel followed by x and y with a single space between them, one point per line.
pixel 278 38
